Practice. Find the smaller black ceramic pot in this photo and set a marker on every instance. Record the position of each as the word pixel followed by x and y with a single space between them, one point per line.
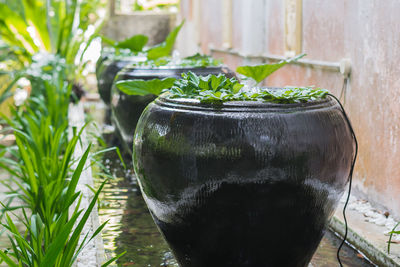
pixel 107 68
pixel 126 109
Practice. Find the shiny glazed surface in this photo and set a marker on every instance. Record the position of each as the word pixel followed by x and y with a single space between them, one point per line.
pixel 231 185
pixel 106 70
pixel 126 109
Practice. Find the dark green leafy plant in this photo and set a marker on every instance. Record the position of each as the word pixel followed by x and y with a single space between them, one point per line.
pixel 42 175
pixel 290 95
pixel 157 55
pixel 41 170
pixel 219 88
pixel 207 89
pixel 33 248
pixel 260 72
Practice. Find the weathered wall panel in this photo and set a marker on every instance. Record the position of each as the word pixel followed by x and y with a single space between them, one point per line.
pixel 365 31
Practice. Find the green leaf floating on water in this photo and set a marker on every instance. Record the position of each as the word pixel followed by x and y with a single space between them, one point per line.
pixel 142 87
pixel 165 48
pixel 219 89
pixel 210 88
pixel 260 72
pixel 134 43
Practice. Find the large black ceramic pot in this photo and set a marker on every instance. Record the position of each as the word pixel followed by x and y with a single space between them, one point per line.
pixel 107 68
pixel 126 109
pixel 242 183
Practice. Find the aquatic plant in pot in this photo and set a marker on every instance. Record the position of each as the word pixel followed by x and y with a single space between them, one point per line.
pixel 128 51
pixel 113 59
pixel 239 177
pixel 127 108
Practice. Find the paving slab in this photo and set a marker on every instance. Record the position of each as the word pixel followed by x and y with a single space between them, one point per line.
pixel 368 231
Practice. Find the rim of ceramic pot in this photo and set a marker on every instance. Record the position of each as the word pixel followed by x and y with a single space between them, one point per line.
pixel 173 67
pixel 126 59
pixel 241 106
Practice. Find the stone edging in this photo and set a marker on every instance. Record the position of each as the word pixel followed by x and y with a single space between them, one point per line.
pixel 366 234
pixel 93 254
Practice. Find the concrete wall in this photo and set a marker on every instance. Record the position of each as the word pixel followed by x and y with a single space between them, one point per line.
pixel 365 31
pixel 156 25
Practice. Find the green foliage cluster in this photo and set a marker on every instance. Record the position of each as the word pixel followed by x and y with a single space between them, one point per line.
pixel 210 88
pixel 219 88
pixel 44 41
pixel 44 176
pixel 158 55
pixel 62 27
pixel 136 44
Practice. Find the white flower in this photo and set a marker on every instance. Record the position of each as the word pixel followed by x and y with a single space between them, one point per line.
pixel 20 96
pixel 23 82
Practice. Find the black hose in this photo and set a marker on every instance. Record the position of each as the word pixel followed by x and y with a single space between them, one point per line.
pixel 350 180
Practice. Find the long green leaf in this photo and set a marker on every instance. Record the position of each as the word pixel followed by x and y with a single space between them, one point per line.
pixel 142 87
pixel 73 241
pixel 165 48
pixel 7 259
pixel 260 72
pixel 113 259
pixel 55 248
pixel 76 175
pixel 134 43
pixel 4 95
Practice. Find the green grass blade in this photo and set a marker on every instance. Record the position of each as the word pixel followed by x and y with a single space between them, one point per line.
pixel 113 259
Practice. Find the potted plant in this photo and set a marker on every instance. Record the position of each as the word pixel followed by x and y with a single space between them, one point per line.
pixel 107 68
pixel 237 176
pixel 128 51
pixel 126 109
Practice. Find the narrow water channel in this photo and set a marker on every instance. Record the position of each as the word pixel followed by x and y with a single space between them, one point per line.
pixel 131 227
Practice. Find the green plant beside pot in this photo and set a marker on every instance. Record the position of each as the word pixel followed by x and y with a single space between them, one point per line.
pixel 231 173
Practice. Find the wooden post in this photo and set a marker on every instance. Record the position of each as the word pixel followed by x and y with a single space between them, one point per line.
pixel 293 27
pixel 227 10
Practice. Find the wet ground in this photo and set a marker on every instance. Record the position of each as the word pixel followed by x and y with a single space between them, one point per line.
pixel 131 227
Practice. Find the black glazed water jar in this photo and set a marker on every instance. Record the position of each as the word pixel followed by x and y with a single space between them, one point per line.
pixel 107 68
pixel 126 109
pixel 243 183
